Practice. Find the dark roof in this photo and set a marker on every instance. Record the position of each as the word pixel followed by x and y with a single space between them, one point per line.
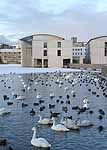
pixel 28 39
pixel 95 38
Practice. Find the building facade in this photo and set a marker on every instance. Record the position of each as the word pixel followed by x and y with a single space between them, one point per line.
pixel 9 54
pixel 96 50
pixel 44 50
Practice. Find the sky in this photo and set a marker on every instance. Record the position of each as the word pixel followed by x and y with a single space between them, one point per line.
pixel 67 18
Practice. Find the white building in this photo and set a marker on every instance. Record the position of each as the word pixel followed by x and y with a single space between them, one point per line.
pixel 44 50
pixel 96 50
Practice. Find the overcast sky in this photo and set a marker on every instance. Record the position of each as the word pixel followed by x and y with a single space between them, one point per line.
pixel 82 18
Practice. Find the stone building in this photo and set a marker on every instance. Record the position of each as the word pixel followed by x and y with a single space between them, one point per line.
pixel 9 54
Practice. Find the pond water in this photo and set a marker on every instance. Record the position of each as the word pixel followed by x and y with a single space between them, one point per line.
pixel 16 127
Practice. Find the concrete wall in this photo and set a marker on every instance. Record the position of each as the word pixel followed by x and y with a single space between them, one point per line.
pixel 97 49
pixel 26 56
pixel 53 59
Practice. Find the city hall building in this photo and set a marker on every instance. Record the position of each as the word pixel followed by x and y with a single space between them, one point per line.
pixel 45 50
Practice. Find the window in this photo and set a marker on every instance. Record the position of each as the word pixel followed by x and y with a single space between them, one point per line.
pixel 73 49
pixel 45 53
pixel 81 53
pixel 75 53
pixel 105 54
pixel 45 44
pixel 58 52
pixel 59 44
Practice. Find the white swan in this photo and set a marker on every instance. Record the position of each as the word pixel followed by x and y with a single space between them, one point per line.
pixel 85 100
pixel 84 123
pixel 20 97
pixel 65 120
pixel 86 105
pixel 70 124
pixel 45 121
pixel 39 142
pixel 3 111
pixel 58 127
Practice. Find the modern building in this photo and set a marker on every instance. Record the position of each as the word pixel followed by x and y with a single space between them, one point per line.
pixel 96 50
pixel 45 50
pixel 10 54
pixel 78 51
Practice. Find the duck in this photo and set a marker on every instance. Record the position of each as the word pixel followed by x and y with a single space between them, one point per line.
pixel 54 114
pixel 52 95
pixel 3 142
pixel 39 142
pixel 32 112
pixel 45 121
pixel 58 127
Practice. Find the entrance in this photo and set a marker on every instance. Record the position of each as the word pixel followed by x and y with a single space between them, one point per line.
pixel 66 63
pixel 38 63
pixel 45 63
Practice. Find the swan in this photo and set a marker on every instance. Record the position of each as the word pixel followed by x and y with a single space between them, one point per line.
pixel 85 100
pixel 20 97
pixel 3 111
pixel 58 127
pixel 70 124
pixel 39 142
pixel 86 105
pixel 84 123
pixel 66 120
pixel 45 121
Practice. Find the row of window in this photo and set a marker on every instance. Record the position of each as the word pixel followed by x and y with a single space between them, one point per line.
pixel 77 53
pixel 78 49
pixel 58 53
pixel 58 45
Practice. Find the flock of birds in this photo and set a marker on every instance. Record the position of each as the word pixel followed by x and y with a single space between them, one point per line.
pixel 66 123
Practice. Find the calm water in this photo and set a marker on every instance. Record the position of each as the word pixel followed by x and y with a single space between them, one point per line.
pixel 16 127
